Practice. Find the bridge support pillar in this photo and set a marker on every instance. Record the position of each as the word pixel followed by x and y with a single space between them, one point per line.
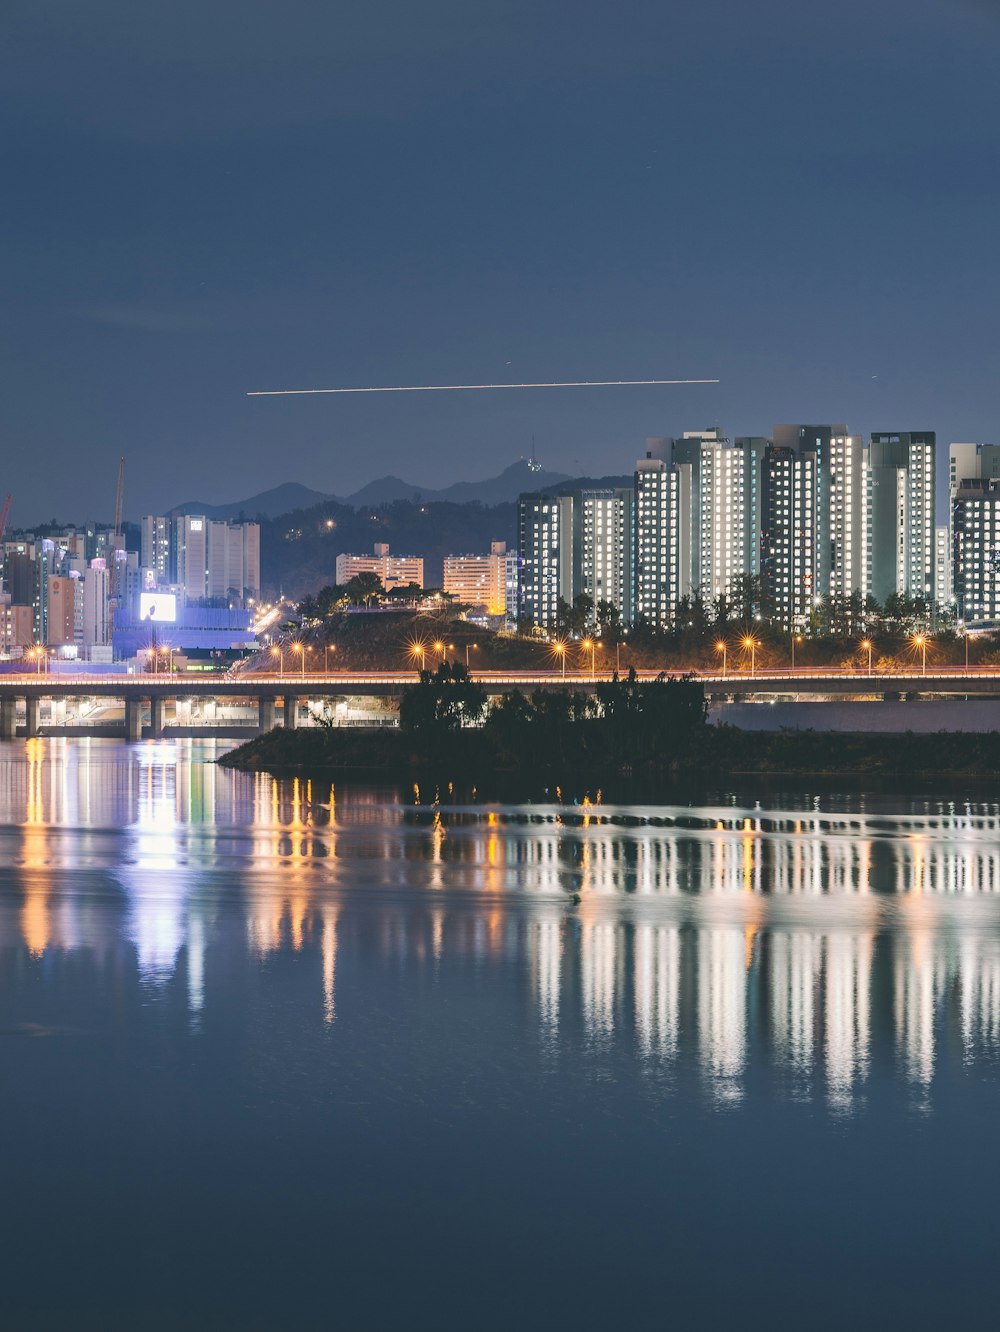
pixel 31 717
pixel 291 712
pixel 156 711
pixel 133 719
pixel 8 718
pixel 265 715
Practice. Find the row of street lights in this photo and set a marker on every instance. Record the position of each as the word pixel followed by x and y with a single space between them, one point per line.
pixel 302 649
pixel 420 650
pixel 750 644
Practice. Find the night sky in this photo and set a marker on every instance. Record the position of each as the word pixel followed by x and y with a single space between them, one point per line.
pixel 203 197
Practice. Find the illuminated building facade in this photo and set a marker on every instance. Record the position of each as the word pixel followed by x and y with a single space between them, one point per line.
pixel 394 570
pixel 479 580
pixel 975 517
pixel 899 515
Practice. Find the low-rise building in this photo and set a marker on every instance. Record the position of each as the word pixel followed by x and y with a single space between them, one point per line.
pixel 394 570
pixel 479 580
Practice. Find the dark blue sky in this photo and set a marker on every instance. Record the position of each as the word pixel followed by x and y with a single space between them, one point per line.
pixel 210 196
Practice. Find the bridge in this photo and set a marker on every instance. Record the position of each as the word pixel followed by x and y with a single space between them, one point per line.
pixel 248 703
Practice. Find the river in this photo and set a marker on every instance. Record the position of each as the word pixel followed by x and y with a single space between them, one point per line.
pixel 294 1054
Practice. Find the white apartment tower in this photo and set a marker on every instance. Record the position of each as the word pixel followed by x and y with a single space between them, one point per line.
pixel 96 617
pixel 545 557
pixel 602 548
pixel 656 540
pixel 899 515
pixel 976 550
pixel 155 551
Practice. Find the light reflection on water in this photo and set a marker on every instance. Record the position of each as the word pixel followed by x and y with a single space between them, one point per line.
pixel 808 938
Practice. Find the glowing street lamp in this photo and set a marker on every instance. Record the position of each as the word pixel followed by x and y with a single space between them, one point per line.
pixel 301 649
pixel 867 645
pixel 560 650
pixel 151 658
pixel 327 649
pixel 920 641
pixel 277 652
pixel 169 653
pixel 589 643
pixel 796 638
pixel 475 647
pixel 750 643
pixel 417 650
pixel 439 647
pixel 721 647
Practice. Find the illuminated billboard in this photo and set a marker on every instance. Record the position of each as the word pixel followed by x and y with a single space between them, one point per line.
pixel 160 607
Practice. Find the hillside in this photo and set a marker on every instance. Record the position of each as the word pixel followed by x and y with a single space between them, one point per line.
pixel 299 550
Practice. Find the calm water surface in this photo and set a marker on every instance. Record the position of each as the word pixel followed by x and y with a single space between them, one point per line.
pixel 278 1054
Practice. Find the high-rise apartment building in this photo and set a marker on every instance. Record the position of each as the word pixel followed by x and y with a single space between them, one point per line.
pixel 698 520
pixel 17 627
pixel 976 550
pixel 479 580
pixel 972 462
pixel 156 551
pixel 545 557
pixel 812 520
pixel 64 611
pixel 190 555
pixel 789 570
pixel 394 570
pixel 944 593
pixel 899 514
pixel 206 558
pixel 602 548
pixel 656 540
pixel 96 616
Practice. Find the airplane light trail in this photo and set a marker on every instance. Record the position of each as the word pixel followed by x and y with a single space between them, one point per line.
pixel 468 388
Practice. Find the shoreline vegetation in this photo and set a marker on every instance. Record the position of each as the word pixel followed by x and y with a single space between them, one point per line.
pixel 634 730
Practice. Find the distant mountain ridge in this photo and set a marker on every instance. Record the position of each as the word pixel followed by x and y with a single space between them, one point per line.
pixel 291 496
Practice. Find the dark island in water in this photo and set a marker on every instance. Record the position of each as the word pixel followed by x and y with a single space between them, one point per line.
pixel 630 729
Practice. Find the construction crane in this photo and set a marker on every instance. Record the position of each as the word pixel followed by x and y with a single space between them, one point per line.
pixel 114 585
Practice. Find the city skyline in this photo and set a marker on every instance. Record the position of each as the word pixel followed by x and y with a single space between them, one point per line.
pixel 525 193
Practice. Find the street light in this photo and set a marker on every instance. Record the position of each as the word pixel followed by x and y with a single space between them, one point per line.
pixel 439 647
pixel 417 650
pixel 560 650
pixel 751 643
pixel 920 641
pixel 151 658
pixel 796 638
pixel 721 647
pixel 589 643
pixel 327 649
pixel 277 652
pixel 467 646
pixel 170 657
pixel 867 645
pixel 301 649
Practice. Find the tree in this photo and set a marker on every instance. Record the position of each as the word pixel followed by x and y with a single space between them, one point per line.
pixel 609 622
pixel 445 700
pixel 363 588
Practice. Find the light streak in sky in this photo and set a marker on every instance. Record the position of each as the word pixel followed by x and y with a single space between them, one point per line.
pixel 466 388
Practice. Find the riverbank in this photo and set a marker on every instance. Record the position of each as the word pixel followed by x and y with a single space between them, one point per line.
pixel 575 755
